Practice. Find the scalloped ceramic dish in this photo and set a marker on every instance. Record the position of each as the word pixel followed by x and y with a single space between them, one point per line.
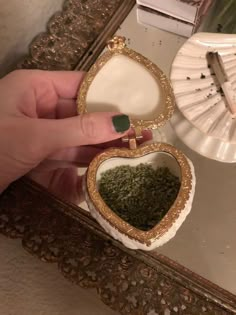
pixel 125 81
pixel 202 143
pixel 197 93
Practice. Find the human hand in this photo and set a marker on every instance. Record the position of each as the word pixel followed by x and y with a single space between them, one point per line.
pixel 41 135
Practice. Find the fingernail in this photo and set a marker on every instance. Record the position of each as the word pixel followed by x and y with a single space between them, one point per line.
pixel 121 123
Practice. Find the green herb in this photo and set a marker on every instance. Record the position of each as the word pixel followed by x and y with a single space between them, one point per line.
pixel 140 195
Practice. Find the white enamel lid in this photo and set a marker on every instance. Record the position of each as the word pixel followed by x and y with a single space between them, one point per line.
pixel 125 81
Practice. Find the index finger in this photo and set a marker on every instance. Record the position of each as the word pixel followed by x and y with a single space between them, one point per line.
pixel 66 83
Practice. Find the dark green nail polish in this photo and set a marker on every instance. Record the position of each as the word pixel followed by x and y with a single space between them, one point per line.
pixel 121 123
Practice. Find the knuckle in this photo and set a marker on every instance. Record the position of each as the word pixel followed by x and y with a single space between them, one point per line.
pixel 87 126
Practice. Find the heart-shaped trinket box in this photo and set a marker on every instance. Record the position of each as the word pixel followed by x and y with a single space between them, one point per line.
pixel 123 80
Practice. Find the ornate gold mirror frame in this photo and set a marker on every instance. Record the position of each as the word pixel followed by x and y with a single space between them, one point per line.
pixel 130 282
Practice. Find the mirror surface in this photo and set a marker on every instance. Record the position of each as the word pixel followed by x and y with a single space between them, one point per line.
pixel 206 242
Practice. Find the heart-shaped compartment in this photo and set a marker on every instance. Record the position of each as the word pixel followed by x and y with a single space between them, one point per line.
pixel 156 155
pixel 125 81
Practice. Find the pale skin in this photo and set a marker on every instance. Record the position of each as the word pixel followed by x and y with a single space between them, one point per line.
pixel 42 136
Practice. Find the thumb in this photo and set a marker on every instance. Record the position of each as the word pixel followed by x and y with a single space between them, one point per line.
pixel 85 129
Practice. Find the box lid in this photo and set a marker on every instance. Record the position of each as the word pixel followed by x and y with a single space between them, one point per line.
pixel 125 81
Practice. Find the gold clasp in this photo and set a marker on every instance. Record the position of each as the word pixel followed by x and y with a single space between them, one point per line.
pixel 133 139
pixel 117 42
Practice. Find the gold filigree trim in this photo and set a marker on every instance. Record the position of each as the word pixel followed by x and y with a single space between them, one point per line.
pixel 117 42
pixel 117 47
pixel 115 221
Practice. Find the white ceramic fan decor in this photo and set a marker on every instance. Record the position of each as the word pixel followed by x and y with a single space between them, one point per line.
pixel 198 94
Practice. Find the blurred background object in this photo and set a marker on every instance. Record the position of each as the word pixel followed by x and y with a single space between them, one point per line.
pixel 221 18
